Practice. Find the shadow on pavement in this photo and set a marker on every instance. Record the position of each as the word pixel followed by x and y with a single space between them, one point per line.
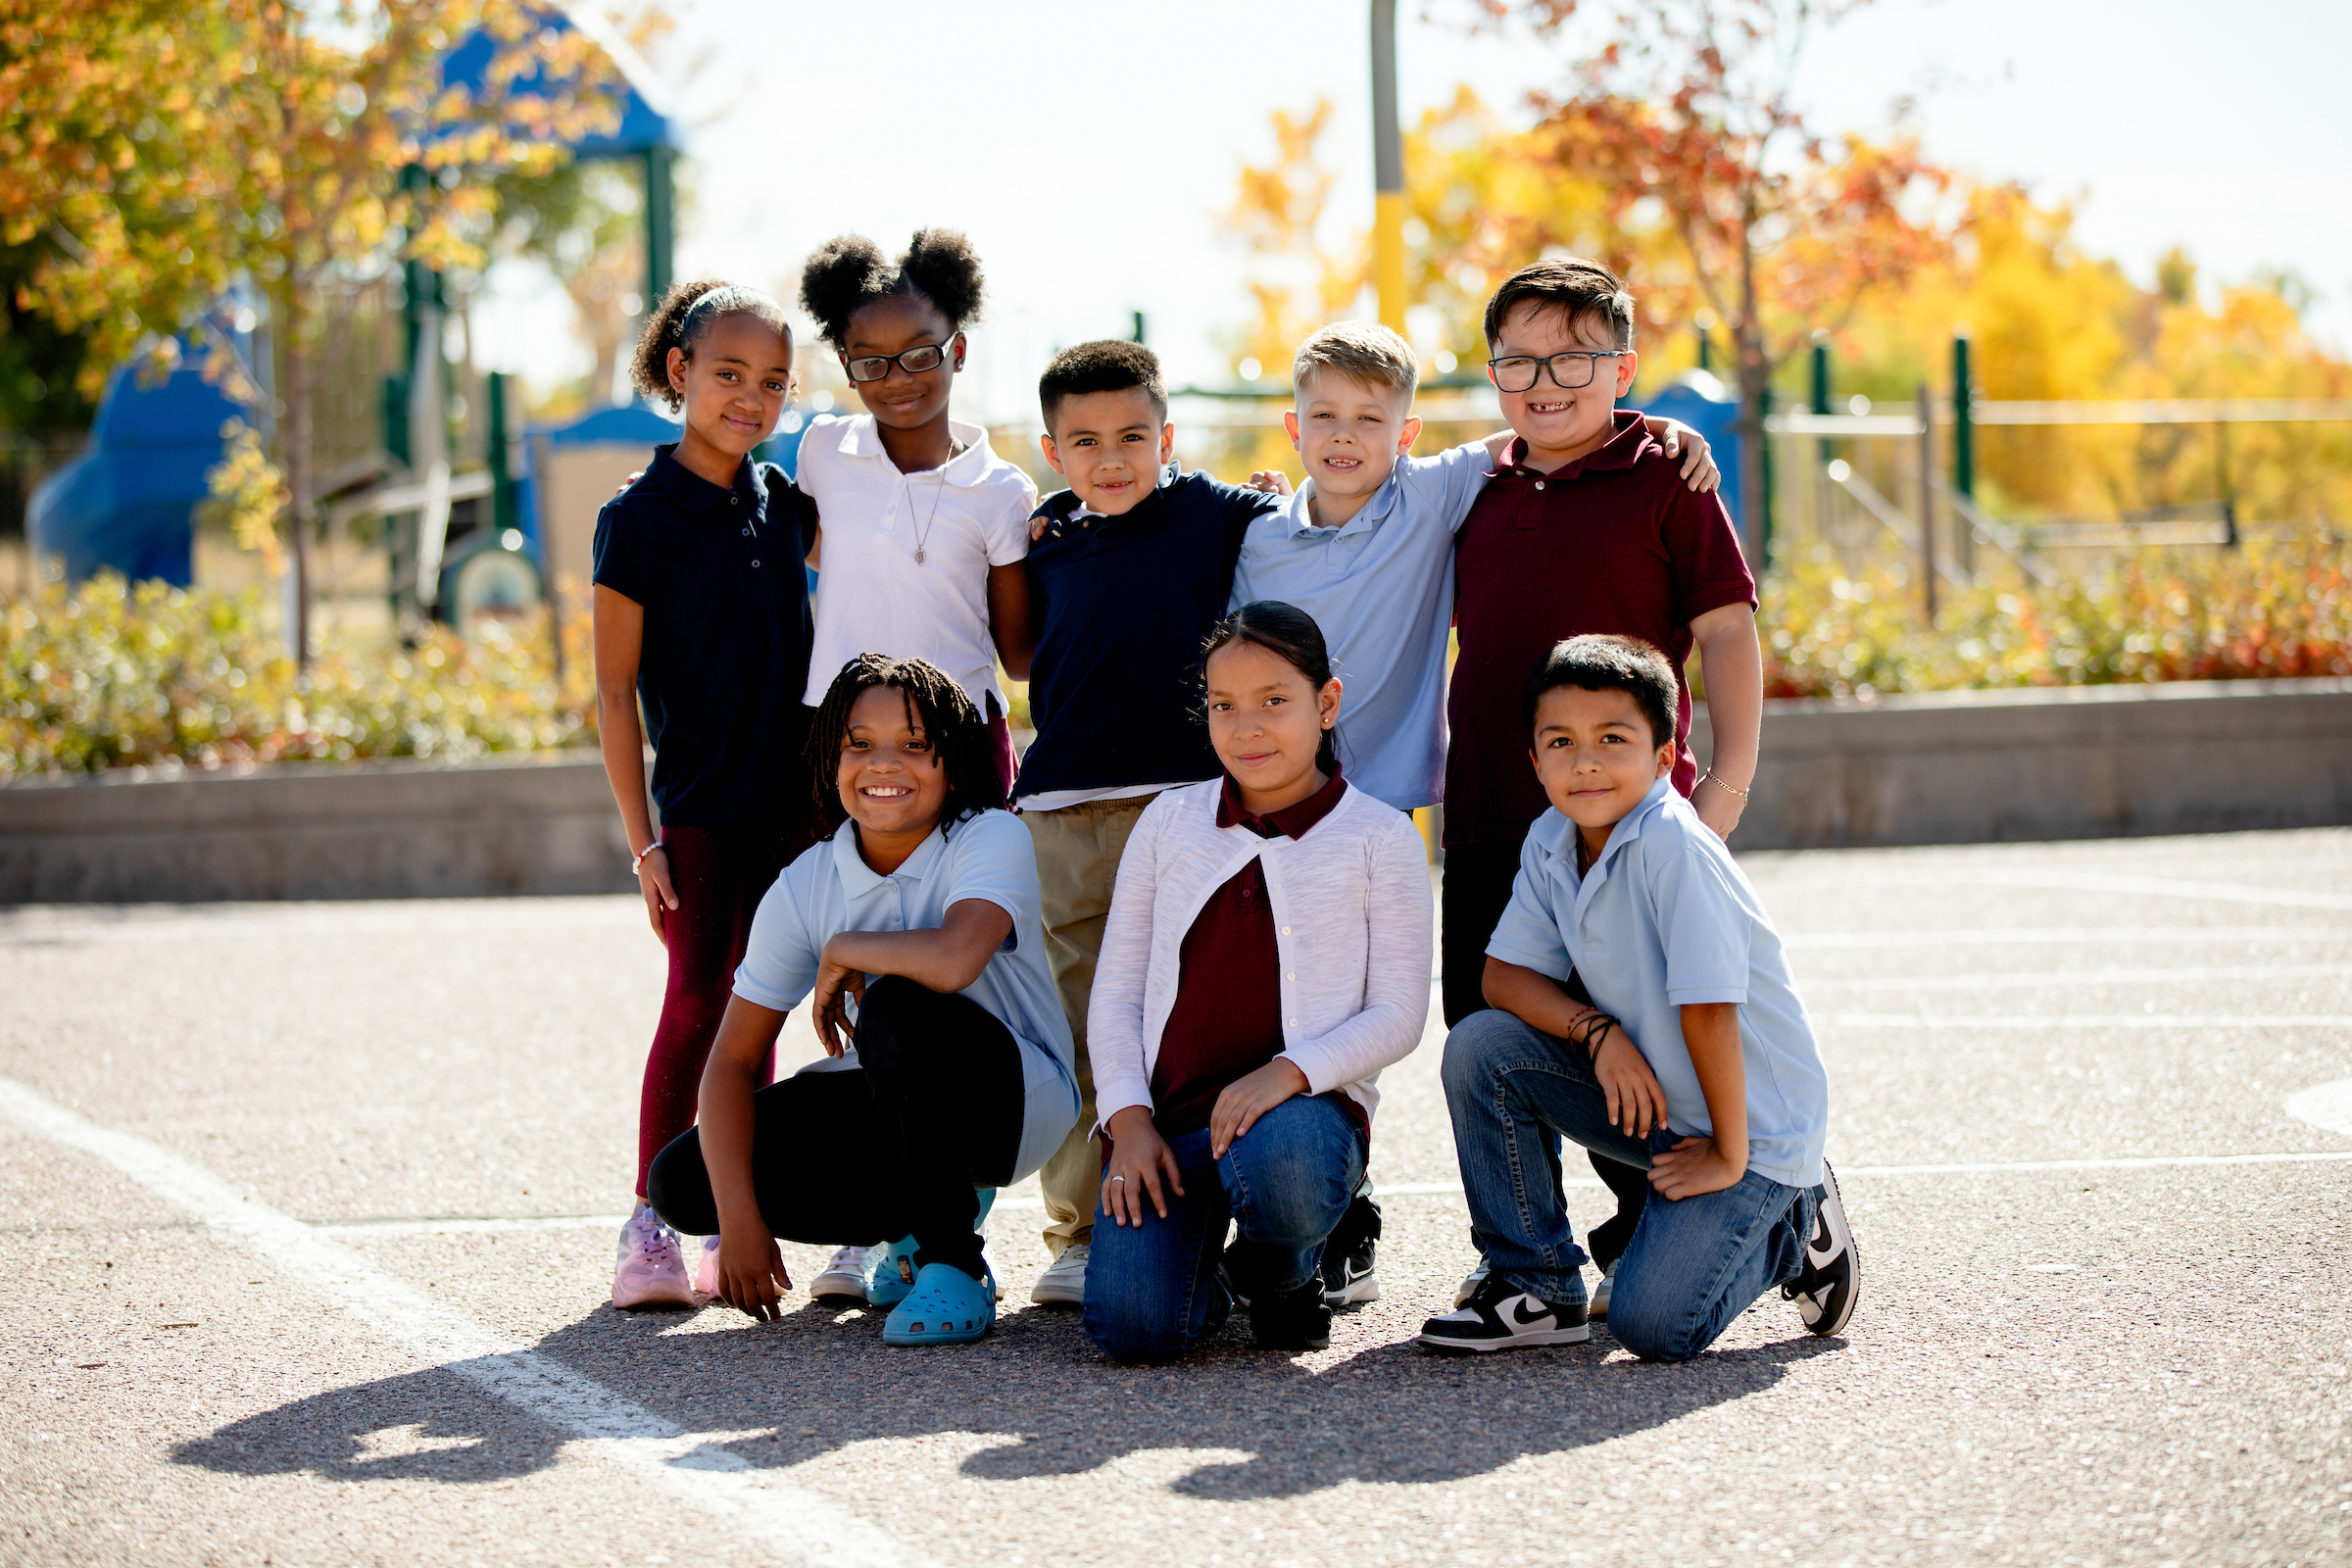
pixel 819 1382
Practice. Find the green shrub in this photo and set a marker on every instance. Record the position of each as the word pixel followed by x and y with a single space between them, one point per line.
pixel 113 675
pixel 2267 608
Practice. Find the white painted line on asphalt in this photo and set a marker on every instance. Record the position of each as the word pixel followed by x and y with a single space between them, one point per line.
pixel 2086 978
pixel 2063 935
pixel 715 1480
pixel 2328 1106
pixel 1983 1168
pixel 2087 1020
pixel 2167 887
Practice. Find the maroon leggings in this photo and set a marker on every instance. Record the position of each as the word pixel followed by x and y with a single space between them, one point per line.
pixel 719 874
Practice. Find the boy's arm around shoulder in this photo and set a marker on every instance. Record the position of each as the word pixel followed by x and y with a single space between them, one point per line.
pixel 1114 1010
pixel 1401 938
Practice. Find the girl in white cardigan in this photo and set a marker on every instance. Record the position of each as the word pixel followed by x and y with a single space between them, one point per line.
pixel 1267 954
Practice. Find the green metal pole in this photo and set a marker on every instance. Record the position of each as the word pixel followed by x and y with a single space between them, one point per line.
pixel 1706 351
pixel 1139 327
pixel 1820 383
pixel 501 468
pixel 1964 428
pixel 661 225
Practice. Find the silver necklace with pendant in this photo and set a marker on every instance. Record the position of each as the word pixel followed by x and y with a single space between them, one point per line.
pixel 955 449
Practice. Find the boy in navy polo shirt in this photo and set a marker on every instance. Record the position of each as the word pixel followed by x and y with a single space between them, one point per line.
pixel 1584 527
pixel 1128 571
pixel 1694 1062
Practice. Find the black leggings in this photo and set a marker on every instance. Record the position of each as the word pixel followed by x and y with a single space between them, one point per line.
pixel 891 1148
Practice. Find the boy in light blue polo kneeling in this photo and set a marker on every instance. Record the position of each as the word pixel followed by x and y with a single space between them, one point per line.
pixel 1696 1061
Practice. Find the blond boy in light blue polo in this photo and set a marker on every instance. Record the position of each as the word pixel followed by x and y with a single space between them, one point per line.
pixel 1367 546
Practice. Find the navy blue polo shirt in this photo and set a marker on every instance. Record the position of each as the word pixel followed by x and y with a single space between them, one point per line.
pixel 719 571
pixel 1124 606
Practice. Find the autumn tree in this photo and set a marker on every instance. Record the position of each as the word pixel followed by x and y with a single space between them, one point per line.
pixel 1684 115
pixel 157 153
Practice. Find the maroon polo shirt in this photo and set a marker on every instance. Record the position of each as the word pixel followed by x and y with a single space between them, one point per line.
pixel 1227 1021
pixel 1613 542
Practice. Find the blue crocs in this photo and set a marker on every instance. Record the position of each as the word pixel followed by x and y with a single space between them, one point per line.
pixel 946 1306
pixel 890 1273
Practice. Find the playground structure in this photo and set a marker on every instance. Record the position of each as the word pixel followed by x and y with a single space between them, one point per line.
pixel 479 513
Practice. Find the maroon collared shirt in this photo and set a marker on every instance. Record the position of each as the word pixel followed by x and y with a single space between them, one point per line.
pixel 1227 1020
pixel 1613 542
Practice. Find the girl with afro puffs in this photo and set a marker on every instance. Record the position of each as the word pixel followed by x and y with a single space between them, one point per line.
pixel 926 528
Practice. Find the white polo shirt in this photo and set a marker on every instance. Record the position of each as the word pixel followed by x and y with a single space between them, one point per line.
pixel 1666 917
pixel 872 595
pixel 830 889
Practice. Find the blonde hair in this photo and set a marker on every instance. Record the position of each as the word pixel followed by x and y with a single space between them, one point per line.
pixel 1363 352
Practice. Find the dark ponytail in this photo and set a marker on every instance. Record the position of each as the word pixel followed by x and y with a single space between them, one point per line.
pixel 683 319
pixel 1291 635
pixel 849 273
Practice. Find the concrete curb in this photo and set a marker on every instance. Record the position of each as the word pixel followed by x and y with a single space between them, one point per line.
pixel 1962 767
pixel 2064 762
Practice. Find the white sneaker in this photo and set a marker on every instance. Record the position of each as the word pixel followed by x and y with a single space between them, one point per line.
pixel 1064 1283
pixel 842 1282
pixel 650 1270
pixel 1599 1306
pixel 1470 1284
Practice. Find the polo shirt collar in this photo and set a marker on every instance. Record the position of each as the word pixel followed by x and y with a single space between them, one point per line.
pixel 858 878
pixel 1292 821
pixel 1301 521
pixel 862 438
pixel 1557 834
pixel 1619 450
pixel 689 489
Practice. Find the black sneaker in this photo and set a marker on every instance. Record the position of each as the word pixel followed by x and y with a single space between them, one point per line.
pixel 1825 1287
pixel 1294 1320
pixel 1351 1254
pixel 1500 1316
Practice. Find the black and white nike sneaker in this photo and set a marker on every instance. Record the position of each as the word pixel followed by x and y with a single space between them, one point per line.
pixel 1826 1289
pixel 1351 1254
pixel 1500 1316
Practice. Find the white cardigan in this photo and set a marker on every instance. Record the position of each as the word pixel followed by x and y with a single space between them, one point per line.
pixel 1354 977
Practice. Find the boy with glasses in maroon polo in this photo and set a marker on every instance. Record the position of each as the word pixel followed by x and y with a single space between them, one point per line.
pixel 1584 527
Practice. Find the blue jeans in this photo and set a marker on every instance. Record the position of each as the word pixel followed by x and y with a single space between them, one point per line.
pixel 1151 1290
pixel 1693 1265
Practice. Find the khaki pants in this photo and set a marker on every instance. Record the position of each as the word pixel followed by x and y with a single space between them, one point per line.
pixel 1078 850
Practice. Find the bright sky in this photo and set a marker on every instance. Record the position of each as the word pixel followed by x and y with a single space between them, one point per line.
pixel 1089 146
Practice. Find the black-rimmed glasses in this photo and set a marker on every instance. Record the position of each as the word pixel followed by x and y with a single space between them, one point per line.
pixel 1517 372
pixel 915 361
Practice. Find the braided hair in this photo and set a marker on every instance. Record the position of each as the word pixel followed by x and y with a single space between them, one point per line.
pixel 849 273
pixel 683 319
pixel 935 704
pixel 1291 635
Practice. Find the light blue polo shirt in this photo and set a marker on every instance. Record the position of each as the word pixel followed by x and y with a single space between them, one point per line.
pixel 1381 586
pixel 830 889
pixel 1664 918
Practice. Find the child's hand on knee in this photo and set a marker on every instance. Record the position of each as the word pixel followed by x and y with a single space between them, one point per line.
pixel 1248 1098
pixel 1635 1102
pixel 751 1272
pixel 1139 1159
pixel 1694 1166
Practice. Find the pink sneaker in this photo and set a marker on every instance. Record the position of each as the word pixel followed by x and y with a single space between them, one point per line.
pixel 650 1271
pixel 706 1273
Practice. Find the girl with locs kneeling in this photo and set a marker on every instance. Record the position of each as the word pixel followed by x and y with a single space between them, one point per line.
pixel 914 930
pixel 1267 954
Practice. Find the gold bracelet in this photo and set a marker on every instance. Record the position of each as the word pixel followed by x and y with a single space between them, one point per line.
pixel 1724 783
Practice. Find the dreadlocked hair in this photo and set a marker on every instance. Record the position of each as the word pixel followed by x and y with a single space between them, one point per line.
pixel 1291 635
pixel 849 273
pixel 683 319
pixel 935 704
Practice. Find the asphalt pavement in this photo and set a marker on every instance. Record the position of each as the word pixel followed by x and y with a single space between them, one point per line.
pixel 307 1215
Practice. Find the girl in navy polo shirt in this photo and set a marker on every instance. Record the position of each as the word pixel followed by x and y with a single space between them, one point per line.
pixel 701 615
pixel 1267 954
pixel 926 528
